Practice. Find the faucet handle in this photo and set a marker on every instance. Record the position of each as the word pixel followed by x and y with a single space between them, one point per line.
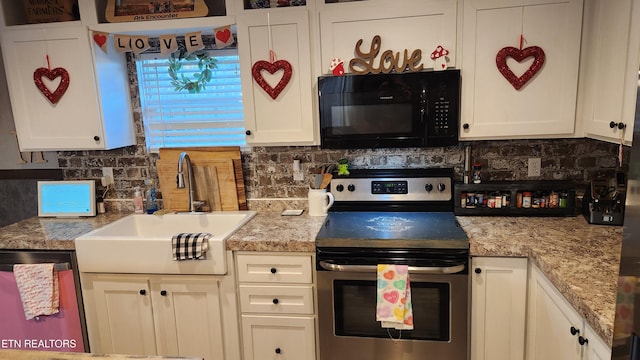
pixel 198 204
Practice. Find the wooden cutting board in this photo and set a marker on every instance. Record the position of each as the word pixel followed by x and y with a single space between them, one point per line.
pixel 217 175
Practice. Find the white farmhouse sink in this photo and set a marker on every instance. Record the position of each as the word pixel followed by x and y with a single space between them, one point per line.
pixel 141 243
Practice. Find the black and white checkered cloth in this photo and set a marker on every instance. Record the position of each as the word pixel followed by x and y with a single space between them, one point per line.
pixel 190 246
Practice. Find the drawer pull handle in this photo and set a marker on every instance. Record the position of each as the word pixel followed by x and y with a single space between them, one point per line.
pixel 163 292
pixel 274 270
pixel 143 292
pixel 278 351
pixel 582 340
pixel 276 301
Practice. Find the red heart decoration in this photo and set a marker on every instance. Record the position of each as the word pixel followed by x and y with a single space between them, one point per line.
pixel 55 96
pixel 223 35
pixel 391 297
pixel 100 39
pixel 519 55
pixel 256 72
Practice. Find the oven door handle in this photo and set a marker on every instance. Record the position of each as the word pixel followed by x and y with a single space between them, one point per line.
pixel 442 270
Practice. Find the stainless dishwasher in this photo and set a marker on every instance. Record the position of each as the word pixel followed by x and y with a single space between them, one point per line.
pixel 65 331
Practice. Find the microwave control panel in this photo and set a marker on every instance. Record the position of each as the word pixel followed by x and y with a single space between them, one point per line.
pixel 443 109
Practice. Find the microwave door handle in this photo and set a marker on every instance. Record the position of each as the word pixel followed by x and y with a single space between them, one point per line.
pixel 443 270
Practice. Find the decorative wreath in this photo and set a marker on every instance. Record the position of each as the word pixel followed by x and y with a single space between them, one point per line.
pixel 198 81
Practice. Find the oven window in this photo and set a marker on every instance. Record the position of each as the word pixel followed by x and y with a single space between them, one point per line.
pixel 371 119
pixel 355 311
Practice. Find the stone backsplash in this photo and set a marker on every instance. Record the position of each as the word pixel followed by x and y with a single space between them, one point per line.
pixel 268 171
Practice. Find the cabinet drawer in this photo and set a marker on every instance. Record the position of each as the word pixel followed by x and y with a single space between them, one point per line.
pixel 284 337
pixel 276 299
pixel 274 268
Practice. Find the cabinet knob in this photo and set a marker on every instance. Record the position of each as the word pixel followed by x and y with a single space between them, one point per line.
pixel 465 126
pixel 248 132
pixel 96 138
pixel 274 270
pixel 582 341
pixel 619 125
pixel 478 270
pixel 163 292
pixel 278 351
pixel 574 331
pixel 276 301
pixel 143 292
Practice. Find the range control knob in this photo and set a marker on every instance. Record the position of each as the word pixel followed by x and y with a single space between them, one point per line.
pixel 339 188
pixel 441 187
pixel 351 187
pixel 428 187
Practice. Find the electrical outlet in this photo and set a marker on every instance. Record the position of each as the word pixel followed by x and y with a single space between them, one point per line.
pixel 298 175
pixel 107 176
pixel 534 167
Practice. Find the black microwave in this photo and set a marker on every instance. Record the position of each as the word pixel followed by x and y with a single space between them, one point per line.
pixel 412 109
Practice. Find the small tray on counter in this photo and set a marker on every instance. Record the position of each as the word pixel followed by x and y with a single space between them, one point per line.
pixel 501 198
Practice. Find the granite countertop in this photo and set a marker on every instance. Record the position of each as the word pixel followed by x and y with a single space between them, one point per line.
pixel 50 233
pixel 49 355
pixel 558 246
pixel 580 259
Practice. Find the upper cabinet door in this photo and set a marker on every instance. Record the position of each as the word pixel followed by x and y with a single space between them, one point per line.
pixel 545 106
pixel 609 74
pixel 288 119
pixel 402 25
pixel 79 120
pixel 73 122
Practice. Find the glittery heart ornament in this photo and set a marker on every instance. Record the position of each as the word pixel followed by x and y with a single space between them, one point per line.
pixel 272 68
pixel 519 55
pixel 54 96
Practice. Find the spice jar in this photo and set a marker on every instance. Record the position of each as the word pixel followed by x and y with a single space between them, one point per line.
pixel 553 199
pixel 563 200
pixel 463 200
pixel 526 199
pixel 471 200
pixel 519 200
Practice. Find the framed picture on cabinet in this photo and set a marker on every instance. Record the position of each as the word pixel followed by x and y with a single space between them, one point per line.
pixel 148 10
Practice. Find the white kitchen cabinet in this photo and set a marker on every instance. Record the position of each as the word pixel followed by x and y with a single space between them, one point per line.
pixel 609 69
pixel 545 106
pixel 407 25
pixel 170 315
pixel 498 308
pixel 289 118
pixel 277 306
pixel 554 329
pixel 95 111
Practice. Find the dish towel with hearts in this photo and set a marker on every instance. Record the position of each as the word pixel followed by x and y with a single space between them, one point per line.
pixel 190 246
pixel 393 306
pixel 39 289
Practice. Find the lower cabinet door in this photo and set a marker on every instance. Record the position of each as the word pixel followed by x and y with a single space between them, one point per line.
pixel 267 337
pixel 124 317
pixel 188 317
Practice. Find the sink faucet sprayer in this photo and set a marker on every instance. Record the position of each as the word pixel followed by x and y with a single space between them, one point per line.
pixel 180 178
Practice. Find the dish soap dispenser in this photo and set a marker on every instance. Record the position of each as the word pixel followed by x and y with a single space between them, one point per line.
pixel 150 197
pixel 138 205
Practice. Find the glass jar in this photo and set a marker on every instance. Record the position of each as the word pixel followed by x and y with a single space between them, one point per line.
pixel 526 199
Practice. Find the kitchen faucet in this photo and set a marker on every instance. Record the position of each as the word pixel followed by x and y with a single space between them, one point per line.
pixel 180 178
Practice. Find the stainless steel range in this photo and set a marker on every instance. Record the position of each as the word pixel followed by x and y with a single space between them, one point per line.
pixel 401 217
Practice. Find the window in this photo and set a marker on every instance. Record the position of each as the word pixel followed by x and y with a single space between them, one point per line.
pixel 212 117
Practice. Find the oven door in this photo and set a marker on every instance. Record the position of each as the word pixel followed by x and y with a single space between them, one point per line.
pixel 347 316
